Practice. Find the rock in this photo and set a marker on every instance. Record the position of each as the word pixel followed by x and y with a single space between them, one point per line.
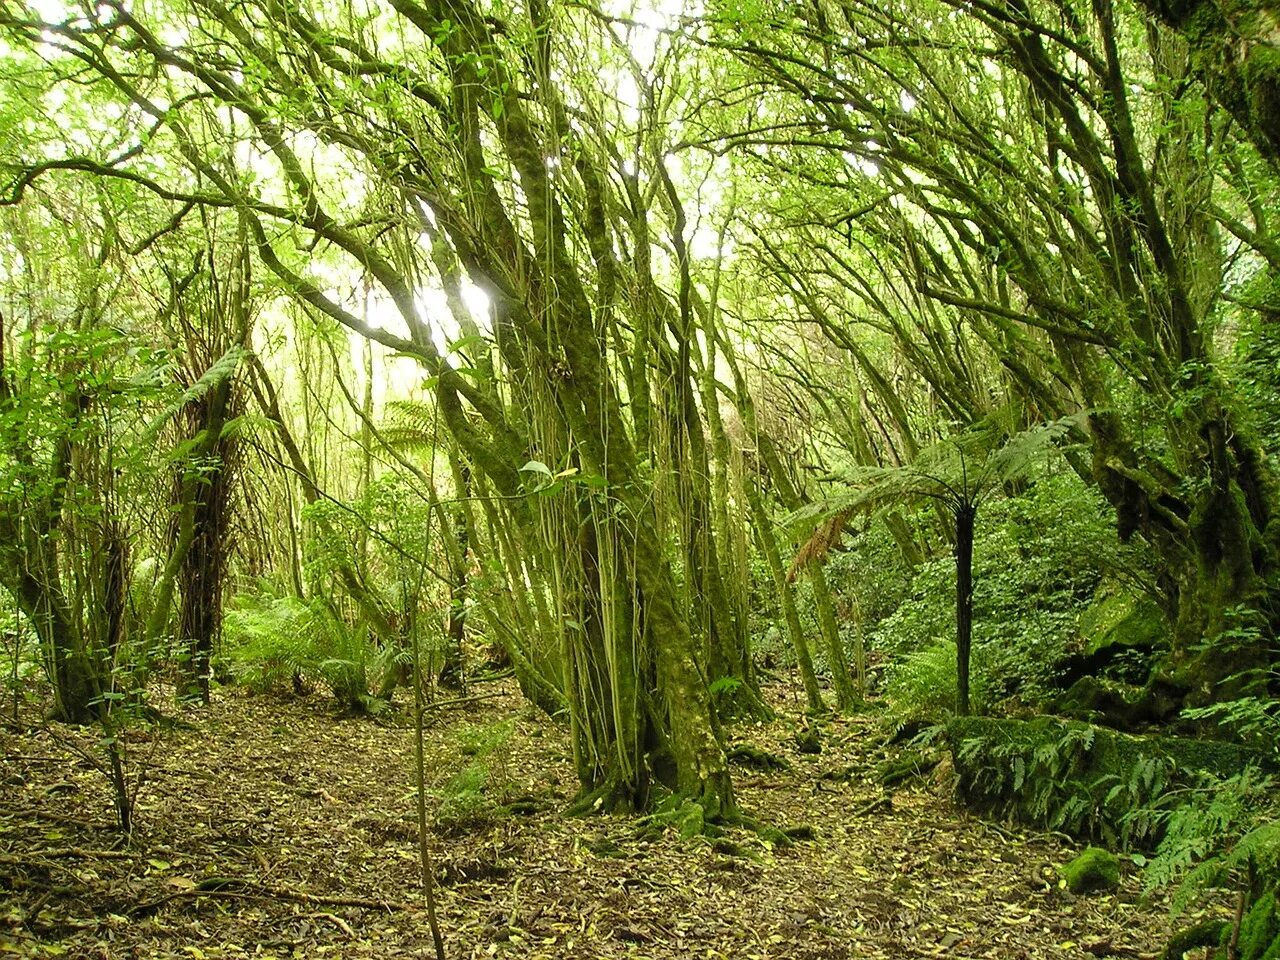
pixel 1122 620
pixel 807 742
pixel 1094 870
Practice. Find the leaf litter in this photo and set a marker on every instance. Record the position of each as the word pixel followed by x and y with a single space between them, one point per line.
pixel 274 829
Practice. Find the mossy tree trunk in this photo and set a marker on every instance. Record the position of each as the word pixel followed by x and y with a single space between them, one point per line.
pixel 471 130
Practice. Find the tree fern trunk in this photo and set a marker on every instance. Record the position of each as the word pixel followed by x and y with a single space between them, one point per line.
pixel 965 514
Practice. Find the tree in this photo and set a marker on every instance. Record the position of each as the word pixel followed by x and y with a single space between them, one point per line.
pixel 458 132
pixel 959 474
pixel 992 185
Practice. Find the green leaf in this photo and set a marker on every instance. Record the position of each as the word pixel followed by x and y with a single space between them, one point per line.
pixel 536 466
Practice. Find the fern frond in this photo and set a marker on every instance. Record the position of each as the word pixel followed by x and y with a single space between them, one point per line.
pixel 222 368
pixel 820 542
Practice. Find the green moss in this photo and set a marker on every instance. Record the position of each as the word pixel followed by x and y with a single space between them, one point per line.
pixel 1261 76
pixel 1122 620
pixel 1095 869
pixel 1260 930
pixel 1207 933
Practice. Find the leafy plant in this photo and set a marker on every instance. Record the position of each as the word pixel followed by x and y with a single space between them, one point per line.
pixel 273 643
pixel 476 794
pixel 1038 561
pixel 920 684
pixel 1226 834
pixel 1084 780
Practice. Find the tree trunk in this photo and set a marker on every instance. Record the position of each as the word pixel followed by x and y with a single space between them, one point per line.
pixel 453 672
pixel 965 514
pixel 77 685
pixel 786 598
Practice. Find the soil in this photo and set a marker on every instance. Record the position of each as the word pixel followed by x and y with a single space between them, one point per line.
pixel 275 828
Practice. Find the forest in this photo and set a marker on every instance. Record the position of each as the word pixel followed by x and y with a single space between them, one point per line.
pixel 640 478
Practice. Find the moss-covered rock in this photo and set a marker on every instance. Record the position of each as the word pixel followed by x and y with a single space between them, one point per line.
pixel 1122 620
pixel 1125 706
pixel 1091 782
pixel 1094 870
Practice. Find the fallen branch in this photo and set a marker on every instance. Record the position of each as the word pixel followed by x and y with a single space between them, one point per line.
pixel 459 701
pixel 871 807
pixel 224 888
pixel 57 853
pixel 336 920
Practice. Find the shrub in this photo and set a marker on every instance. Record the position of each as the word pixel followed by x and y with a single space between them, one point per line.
pixel 1038 559
pixel 273 643
pixel 1087 781
pixel 923 684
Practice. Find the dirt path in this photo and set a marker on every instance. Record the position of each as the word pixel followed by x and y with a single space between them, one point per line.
pixel 283 812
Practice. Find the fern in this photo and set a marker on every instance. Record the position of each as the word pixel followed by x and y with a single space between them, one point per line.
pixel 962 470
pixel 1086 781
pixel 1215 831
pixel 222 368
pixel 923 683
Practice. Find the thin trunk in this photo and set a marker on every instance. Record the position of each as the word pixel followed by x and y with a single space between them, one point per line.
pixel 846 693
pixel 965 514
pixel 786 598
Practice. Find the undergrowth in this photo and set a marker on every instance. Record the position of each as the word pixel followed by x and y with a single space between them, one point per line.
pixel 477 794
pixel 1086 781
pixel 273 644
pixel 1226 834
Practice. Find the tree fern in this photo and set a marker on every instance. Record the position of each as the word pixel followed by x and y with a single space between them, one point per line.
pixel 222 368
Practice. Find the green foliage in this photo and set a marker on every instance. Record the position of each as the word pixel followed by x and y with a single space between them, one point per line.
pixel 1255 717
pixel 1260 930
pixel 273 643
pixel 1227 832
pixel 464 801
pixel 1038 558
pixel 476 794
pixel 923 684
pixel 1083 780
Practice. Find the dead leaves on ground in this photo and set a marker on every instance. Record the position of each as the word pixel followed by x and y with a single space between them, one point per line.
pixel 277 830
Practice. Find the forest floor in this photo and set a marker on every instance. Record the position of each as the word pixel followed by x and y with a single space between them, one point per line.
pixel 308 823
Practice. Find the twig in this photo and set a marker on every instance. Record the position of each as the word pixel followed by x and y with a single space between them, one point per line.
pixel 60 852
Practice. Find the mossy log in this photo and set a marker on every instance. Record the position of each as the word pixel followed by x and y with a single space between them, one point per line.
pixel 1090 782
pixel 1208 933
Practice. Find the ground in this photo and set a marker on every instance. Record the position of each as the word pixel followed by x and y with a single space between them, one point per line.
pixel 309 819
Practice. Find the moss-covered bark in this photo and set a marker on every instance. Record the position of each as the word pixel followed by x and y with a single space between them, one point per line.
pixel 1236 48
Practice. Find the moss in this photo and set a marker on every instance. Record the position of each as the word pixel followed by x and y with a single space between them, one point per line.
pixel 1094 870
pixel 1260 930
pixel 1122 620
pixel 1261 76
pixel 1099 698
pixel 1208 933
